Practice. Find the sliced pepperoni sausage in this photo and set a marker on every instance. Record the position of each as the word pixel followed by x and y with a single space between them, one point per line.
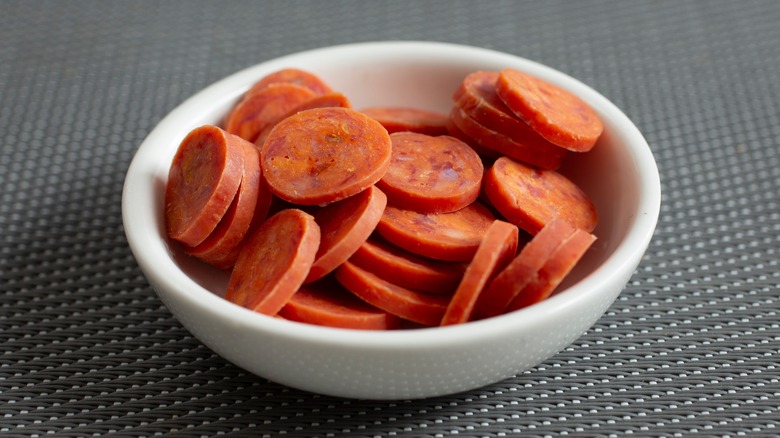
pixel 431 174
pixel 555 269
pixel 323 155
pixel 326 303
pixel 531 198
pixel 405 269
pixel 322 101
pixel 228 259
pixel 262 208
pixel 412 175
pixel 446 236
pixel 400 119
pixel 344 226
pixel 545 156
pixel 407 304
pixel 495 251
pixel 202 182
pixel 219 247
pixel 486 154
pixel 478 99
pixel 274 262
pixel 264 108
pixel 292 76
pixel 556 114
pixel 496 297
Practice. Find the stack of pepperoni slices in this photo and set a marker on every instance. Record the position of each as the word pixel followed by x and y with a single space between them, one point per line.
pixel 387 217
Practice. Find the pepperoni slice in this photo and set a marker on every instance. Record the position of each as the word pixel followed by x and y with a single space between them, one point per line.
pixel 228 260
pixel 322 101
pixel 496 249
pixel 292 76
pixel 327 303
pixel 477 97
pixel 531 198
pixel 556 114
pixel 344 226
pixel 262 211
pixel 202 182
pixel 431 174
pixel 545 156
pixel 446 236
pixel 400 119
pixel 555 269
pixel 484 153
pixel 264 108
pixel 219 247
pixel 496 297
pixel 407 304
pixel 407 270
pixel 323 155
pixel 274 262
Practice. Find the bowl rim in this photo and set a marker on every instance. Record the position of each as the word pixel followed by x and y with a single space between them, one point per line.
pixel 625 257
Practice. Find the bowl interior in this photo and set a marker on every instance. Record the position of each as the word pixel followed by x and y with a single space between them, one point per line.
pixel 619 174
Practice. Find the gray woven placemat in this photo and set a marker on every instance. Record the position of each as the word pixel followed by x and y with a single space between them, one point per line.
pixel 86 348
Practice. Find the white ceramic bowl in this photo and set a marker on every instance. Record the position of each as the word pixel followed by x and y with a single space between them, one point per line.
pixel 619 174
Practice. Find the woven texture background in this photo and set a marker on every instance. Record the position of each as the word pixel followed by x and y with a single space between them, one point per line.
pixel 690 346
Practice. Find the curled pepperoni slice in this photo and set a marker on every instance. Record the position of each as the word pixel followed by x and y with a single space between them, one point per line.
pixel 556 114
pixel 264 108
pixel 496 249
pixel 431 174
pixel 400 119
pixel 446 236
pixel 323 155
pixel 202 182
pixel 531 198
pixel 274 262
pixel 344 226
pixel 405 303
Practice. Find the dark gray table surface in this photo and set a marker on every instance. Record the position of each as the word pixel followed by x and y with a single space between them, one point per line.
pixel 690 346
